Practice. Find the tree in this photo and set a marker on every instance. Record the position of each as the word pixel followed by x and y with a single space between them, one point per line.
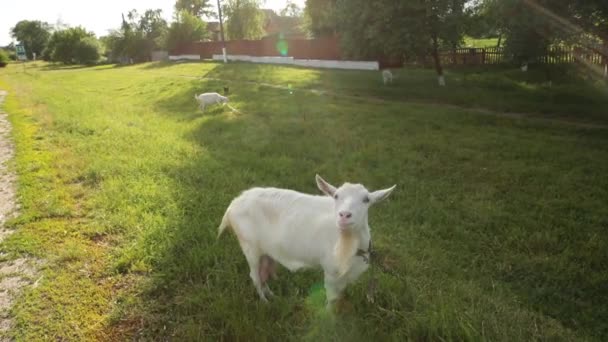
pixel 4 59
pixel 292 10
pixel 197 8
pixel 73 45
pixel 33 34
pixel 388 28
pixel 320 17
pixel 244 19
pixel 185 29
pixel 138 36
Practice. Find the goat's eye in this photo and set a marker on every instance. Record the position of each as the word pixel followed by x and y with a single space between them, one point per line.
pixel 366 199
pixel 336 196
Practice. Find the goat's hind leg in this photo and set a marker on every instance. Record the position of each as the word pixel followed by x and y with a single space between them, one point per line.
pixel 267 269
pixel 253 255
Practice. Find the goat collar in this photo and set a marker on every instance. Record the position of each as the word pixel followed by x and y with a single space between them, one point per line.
pixel 365 254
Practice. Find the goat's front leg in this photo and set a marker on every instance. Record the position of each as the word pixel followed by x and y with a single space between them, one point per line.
pixel 333 289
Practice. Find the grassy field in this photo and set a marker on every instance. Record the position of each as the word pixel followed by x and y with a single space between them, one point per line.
pixel 481 42
pixel 496 231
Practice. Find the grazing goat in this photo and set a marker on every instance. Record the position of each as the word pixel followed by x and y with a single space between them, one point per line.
pixel 387 76
pixel 209 98
pixel 304 231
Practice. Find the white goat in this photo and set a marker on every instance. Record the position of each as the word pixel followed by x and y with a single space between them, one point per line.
pixel 209 99
pixel 387 76
pixel 304 231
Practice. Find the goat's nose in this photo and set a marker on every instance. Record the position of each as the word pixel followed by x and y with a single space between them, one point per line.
pixel 346 214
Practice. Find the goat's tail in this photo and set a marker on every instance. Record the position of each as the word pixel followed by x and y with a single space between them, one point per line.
pixel 225 223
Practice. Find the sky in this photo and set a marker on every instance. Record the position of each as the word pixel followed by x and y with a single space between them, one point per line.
pixel 96 16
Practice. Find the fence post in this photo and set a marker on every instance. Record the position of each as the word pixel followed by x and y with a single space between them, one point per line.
pixel 483 56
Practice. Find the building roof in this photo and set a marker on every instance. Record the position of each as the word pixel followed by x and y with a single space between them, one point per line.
pixel 213 26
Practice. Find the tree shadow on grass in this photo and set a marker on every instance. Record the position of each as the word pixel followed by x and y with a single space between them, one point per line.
pixel 496 88
pixel 202 288
pixel 167 64
pixel 59 67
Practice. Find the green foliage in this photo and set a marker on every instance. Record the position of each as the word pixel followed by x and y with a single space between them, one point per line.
pixel 33 34
pixel 591 15
pixel 531 27
pixel 4 58
pixel 197 8
pixel 244 19
pixel 73 45
pixel 185 29
pixel 395 28
pixel 292 9
pixel 320 17
pixel 137 37
pixel 87 51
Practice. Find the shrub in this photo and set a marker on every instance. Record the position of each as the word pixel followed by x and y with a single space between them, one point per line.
pixel 3 58
pixel 72 45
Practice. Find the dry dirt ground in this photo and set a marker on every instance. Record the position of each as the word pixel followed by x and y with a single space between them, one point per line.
pixel 17 273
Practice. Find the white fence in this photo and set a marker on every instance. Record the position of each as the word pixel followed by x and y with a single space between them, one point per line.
pixel 309 63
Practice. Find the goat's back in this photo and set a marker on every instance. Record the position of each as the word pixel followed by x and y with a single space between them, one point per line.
pixel 294 228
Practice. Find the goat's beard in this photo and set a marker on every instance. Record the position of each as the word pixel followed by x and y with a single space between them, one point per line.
pixel 345 249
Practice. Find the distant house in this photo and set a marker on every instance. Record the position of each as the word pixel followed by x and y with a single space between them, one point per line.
pixel 213 27
pixel 289 27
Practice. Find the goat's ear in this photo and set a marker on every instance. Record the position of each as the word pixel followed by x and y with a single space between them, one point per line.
pixel 380 195
pixel 327 188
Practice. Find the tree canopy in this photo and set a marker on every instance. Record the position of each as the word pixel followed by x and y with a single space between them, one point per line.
pixel 73 45
pixel 185 29
pixel 244 19
pixel 320 17
pixel 33 34
pixel 139 35
pixel 197 8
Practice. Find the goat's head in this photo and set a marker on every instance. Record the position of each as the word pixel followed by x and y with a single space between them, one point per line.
pixel 352 202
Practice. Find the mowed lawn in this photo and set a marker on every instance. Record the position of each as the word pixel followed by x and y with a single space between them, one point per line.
pixel 497 229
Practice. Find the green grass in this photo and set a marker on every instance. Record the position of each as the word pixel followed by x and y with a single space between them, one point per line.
pixel 481 42
pixel 496 230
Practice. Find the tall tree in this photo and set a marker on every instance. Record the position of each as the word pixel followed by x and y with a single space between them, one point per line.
pixel 197 8
pixel 321 17
pixel 185 29
pixel 244 19
pixel 138 36
pixel 33 34
pixel 371 29
pixel 292 10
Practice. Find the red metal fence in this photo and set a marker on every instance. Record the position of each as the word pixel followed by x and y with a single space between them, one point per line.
pixel 320 48
pixel 495 55
pixel 328 48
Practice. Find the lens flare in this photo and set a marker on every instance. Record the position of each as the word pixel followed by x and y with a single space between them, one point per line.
pixel 282 45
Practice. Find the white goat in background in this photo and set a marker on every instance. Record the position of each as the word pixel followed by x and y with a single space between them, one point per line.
pixel 209 99
pixel 387 76
pixel 304 231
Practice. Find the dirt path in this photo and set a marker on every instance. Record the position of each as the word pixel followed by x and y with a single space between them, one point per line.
pixel 17 273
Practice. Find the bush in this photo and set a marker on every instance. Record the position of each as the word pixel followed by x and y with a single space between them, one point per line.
pixel 72 45
pixel 3 58
pixel 87 51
